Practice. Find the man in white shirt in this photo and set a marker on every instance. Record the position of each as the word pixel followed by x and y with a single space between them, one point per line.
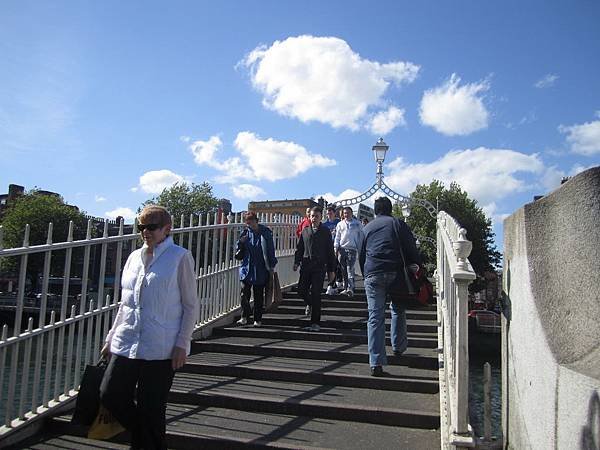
pixel 348 240
pixel 150 336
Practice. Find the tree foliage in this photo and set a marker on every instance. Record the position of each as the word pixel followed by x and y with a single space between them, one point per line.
pixel 186 199
pixel 456 202
pixel 38 210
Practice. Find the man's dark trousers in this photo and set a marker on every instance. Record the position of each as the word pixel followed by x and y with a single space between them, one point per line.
pixel 145 418
pixel 311 286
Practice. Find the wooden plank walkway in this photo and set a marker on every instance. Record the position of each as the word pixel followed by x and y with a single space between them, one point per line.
pixel 279 386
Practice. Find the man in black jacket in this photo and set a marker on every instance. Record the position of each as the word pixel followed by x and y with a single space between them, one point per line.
pixel 315 256
pixel 380 261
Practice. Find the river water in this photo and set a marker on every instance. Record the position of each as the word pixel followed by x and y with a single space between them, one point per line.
pixel 476 363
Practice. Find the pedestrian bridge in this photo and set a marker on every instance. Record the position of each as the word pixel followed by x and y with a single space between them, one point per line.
pixel 277 386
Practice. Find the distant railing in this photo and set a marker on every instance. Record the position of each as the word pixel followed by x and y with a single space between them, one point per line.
pixel 454 274
pixel 42 360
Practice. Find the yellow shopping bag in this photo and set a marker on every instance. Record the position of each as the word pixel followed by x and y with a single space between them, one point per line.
pixel 105 426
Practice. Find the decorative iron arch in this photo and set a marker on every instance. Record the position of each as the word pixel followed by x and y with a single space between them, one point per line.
pixel 380 185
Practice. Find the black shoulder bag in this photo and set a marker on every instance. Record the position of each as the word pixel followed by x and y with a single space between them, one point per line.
pixel 403 289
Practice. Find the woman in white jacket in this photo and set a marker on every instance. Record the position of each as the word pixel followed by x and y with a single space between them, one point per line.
pixel 150 337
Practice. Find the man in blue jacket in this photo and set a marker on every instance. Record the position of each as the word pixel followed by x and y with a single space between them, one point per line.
pixel 380 261
pixel 256 250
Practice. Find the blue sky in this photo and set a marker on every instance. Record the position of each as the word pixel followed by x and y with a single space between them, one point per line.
pixel 108 102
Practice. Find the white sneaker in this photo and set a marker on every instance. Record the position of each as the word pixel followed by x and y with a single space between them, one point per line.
pixel 257 324
pixel 344 292
pixel 308 310
pixel 242 321
pixel 349 293
pixel 331 291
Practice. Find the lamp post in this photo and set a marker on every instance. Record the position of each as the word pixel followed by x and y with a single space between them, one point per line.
pixel 379 150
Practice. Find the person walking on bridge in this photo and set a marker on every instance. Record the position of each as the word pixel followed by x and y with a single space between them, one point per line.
pixel 314 255
pixel 331 223
pixel 381 261
pixel 256 250
pixel 348 239
pixel 150 336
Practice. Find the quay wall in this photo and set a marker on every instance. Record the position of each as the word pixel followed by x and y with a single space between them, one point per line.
pixel 551 319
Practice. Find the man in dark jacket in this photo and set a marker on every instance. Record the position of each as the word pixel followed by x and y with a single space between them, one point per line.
pixel 380 262
pixel 315 256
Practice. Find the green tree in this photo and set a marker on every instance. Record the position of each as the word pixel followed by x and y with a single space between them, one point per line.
pixel 38 210
pixel 456 202
pixel 186 199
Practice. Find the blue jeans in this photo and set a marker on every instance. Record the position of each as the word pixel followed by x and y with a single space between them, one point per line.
pixel 348 261
pixel 376 286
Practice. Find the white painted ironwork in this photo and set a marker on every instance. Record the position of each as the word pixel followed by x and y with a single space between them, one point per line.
pixel 380 149
pixel 53 350
pixel 454 274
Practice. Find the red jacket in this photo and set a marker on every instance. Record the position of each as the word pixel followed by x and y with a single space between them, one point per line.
pixel 302 225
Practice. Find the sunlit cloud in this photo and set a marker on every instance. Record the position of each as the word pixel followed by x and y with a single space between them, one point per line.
pixel 125 213
pixel 155 181
pixel 452 109
pixel 322 79
pixel 247 191
pixel 583 139
pixel 546 81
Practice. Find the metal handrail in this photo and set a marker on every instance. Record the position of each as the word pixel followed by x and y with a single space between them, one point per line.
pixel 454 274
pixel 53 351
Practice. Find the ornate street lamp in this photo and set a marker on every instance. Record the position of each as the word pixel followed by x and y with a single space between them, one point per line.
pixel 379 150
pixel 406 210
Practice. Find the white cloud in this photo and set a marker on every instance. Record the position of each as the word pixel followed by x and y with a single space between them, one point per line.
pixel 385 121
pixel 584 139
pixel 332 198
pixel 276 160
pixel 546 81
pixel 261 159
pixel 204 151
pixel 553 175
pixel 185 139
pixel 99 199
pixel 154 181
pixel 347 194
pixel 248 191
pixel 322 79
pixel 126 213
pixel 487 175
pixel 455 110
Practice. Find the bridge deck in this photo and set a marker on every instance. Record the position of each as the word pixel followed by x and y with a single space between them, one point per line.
pixel 282 387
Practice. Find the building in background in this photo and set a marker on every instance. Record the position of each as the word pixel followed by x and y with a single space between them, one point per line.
pixel 365 212
pixel 296 207
pixel 224 205
pixel 15 191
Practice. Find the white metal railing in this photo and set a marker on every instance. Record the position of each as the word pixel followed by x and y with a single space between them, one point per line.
pixel 41 363
pixel 454 274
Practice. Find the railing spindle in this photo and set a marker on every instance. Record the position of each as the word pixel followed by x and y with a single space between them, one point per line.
pixel 25 374
pixel 49 358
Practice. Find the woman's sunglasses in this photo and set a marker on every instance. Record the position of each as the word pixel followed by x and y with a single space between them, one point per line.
pixel 149 227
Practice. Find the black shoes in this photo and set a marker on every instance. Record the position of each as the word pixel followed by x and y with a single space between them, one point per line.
pixel 398 353
pixel 377 371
